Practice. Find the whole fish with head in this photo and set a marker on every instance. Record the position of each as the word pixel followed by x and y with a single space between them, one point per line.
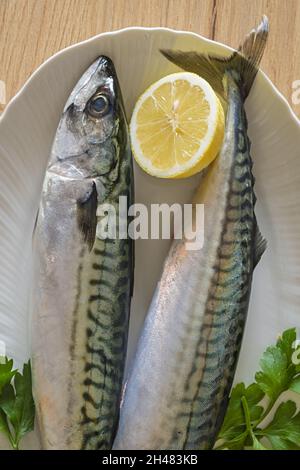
pixel 83 282
pixel 178 388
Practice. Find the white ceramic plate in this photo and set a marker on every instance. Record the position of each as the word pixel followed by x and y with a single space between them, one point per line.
pixel 27 129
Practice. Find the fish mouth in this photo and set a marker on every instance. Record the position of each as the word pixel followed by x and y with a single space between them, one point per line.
pixel 106 64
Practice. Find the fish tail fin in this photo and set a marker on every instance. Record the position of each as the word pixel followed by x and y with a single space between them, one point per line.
pixel 244 62
pixel 251 52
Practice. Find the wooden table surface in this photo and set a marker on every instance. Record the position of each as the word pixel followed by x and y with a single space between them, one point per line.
pixel 33 30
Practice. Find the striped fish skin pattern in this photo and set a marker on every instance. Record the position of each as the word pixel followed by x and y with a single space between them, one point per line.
pixel 178 389
pixel 82 283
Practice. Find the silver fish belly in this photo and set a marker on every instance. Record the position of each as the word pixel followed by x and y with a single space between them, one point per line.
pixel 178 388
pixel 82 288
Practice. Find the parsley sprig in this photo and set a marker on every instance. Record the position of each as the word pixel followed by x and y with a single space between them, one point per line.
pixel 249 409
pixel 263 402
pixel 16 402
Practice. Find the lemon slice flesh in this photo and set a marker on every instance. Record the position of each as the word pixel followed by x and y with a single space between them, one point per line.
pixel 177 126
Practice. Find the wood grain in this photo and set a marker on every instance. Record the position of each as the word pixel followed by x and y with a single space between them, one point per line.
pixel 33 30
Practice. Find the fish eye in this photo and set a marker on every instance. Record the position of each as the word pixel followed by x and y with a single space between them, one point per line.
pixel 98 106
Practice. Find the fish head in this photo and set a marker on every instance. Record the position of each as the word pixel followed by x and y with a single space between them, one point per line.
pixel 87 139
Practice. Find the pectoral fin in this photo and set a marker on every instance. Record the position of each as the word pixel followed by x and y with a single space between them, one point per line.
pixel 260 245
pixel 87 216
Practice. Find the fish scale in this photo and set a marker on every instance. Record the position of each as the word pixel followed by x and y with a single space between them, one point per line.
pixel 108 290
pixel 235 322
pixel 201 415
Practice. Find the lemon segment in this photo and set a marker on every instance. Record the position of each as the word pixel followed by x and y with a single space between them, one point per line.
pixel 177 126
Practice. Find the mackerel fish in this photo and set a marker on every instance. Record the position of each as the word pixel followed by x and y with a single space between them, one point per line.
pixel 177 392
pixel 83 283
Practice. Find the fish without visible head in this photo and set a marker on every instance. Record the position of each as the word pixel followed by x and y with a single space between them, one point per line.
pixel 82 284
pixel 178 389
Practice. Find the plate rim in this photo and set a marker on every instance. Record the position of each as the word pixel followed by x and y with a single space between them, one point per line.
pixel 22 91
pixel 121 31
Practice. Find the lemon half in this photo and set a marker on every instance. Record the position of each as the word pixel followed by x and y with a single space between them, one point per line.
pixel 177 126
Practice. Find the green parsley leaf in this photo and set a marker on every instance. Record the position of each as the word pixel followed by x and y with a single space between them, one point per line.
pixel 6 372
pixel 257 444
pixel 280 372
pixel 286 342
pixel 284 430
pixel 235 419
pixel 295 385
pixel 296 359
pixel 233 430
pixel 17 406
pixel 4 425
pixel 276 373
pixel 236 443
